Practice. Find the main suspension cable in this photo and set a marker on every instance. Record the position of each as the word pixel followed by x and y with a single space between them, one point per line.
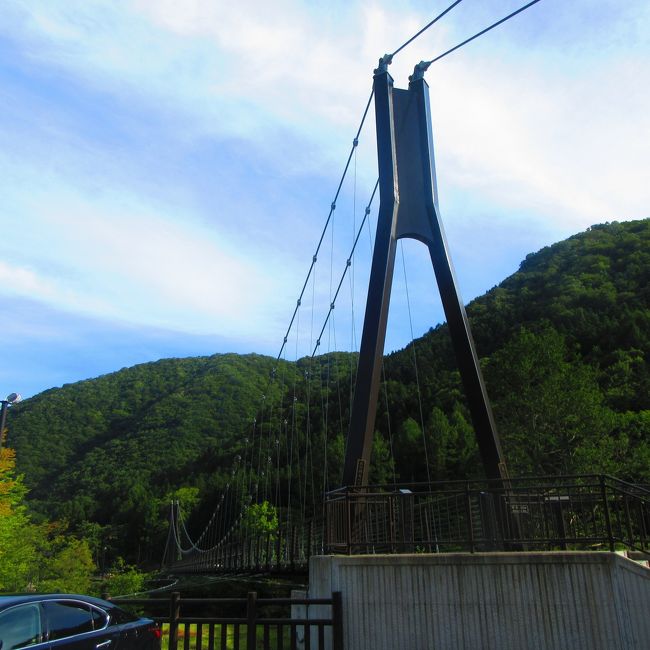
pixel 348 263
pixel 424 29
pixel 425 64
pixel 314 259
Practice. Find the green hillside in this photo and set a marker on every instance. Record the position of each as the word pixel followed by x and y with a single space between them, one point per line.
pixel 564 343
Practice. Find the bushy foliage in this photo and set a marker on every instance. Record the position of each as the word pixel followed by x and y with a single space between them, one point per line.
pixel 17 547
pixel 551 413
pixel 123 580
pixel 261 519
pixel 39 557
pixel 69 568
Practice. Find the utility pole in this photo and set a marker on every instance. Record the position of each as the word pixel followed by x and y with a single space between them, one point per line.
pixel 12 398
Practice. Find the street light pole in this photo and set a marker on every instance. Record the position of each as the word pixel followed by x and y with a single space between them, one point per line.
pixel 12 398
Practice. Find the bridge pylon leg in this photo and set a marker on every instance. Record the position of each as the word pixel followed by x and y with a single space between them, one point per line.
pixel 409 209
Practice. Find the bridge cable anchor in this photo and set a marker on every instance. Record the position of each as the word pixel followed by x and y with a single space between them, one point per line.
pixel 384 62
pixel 419 70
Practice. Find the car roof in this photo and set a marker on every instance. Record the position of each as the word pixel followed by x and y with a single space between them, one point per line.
pixel 16 599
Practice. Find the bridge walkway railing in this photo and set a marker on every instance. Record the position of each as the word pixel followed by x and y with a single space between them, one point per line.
pixel 286 549
pixel 540 513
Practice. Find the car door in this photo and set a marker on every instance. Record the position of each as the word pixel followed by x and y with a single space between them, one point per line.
pixel 22 626
pixel 75 625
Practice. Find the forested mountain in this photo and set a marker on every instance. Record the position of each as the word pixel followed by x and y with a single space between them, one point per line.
pixel 564 346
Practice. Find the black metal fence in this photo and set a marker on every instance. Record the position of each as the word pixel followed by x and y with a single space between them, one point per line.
pixel 557 513
pixel 244 623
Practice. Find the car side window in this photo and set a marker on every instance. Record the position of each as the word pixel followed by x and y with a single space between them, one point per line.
pixel 21 626
pixel 67 618
pixel 100 618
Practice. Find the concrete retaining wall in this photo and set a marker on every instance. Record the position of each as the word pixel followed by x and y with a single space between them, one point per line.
pixel 500 601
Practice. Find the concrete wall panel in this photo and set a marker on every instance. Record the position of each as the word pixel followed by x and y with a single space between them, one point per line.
pixel 577 601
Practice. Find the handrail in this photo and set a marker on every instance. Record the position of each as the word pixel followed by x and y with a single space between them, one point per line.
pixel 640 488
pixel 540 513
pixel 462 482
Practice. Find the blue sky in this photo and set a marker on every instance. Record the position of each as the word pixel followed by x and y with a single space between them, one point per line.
pixel 166 166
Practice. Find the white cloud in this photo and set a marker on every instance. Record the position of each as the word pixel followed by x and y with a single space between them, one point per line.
pixel 222 69
pixel 111 257
pixel 249 69
pixel 22 280
pixel 556 145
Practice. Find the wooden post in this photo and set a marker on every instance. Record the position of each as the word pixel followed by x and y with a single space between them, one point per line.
pixel 251 616
pixel 174 615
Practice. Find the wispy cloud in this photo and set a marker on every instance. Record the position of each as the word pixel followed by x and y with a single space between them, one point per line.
pixel 255 70
pixel 552 145
pixel 119 260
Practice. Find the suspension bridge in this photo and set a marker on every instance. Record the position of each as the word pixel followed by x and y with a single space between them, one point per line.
pixel 300 484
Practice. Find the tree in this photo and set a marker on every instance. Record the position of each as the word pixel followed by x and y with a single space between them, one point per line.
pixel 549 409
pixel 408 448
pixel 453 452
pixel 17 548
pixel 381 462
pixel 261 519
pixel 124 580
pixel 69 569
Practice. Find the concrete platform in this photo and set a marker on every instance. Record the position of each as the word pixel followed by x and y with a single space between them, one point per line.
pixel 499 601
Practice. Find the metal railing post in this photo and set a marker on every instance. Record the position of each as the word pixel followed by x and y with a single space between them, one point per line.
pixel 174 615
pixel 470 523
pixel 642 529
pixel 348 509
pixel 608 520
pixel 628 521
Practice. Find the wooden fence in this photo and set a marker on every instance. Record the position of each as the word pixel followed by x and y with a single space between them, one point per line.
pixel 250 623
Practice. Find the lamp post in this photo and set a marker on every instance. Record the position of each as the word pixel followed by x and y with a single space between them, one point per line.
pixel 12 398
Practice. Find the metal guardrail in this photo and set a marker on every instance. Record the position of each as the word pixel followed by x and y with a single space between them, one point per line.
pixel 244 623
pixel 540 513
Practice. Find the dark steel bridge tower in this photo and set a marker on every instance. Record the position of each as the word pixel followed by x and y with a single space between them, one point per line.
pixel 409 209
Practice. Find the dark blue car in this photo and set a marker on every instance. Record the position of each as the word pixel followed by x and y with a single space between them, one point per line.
pixel 71 622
